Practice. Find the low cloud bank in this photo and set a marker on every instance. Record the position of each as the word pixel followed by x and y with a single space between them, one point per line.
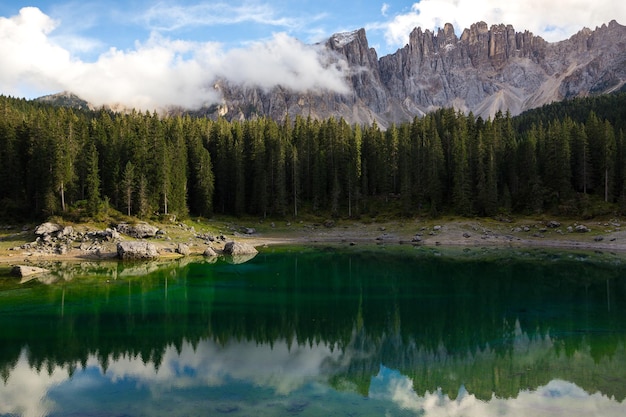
pixel 158 73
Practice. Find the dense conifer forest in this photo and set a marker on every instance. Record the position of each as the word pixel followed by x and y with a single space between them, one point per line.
pixel 567 158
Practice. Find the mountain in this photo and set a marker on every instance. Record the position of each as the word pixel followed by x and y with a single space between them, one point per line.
pixel 66 99
pixel 485 70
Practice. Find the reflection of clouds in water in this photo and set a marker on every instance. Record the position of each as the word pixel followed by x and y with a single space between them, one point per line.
pixel 24 392
pixel 209 364
pixel 286 370
pixel 557 398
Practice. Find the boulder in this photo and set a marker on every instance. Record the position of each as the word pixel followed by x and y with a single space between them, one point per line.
pixel 239 248
pixel 24 271
pixel 136 250
pixel 209 252
pixel 182 249
pixel 553 224
pixel 138 231
pixel 581 228
pixel 47 229
pixel 66 231
pixel 239 259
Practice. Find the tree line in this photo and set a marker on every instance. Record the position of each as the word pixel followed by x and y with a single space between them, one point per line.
pixel 59 161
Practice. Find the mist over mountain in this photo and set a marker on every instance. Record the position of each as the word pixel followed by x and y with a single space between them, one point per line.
pixel 484 70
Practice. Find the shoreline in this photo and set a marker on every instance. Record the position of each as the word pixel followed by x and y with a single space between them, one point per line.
pixel 601 236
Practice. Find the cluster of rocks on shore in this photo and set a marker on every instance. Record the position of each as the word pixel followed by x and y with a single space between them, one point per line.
pixel 55 239
pixel 52 238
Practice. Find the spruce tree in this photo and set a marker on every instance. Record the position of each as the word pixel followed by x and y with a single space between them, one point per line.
pixel 92 181
pixel 128 185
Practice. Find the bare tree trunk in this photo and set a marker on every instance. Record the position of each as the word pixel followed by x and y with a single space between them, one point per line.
pixel 62 197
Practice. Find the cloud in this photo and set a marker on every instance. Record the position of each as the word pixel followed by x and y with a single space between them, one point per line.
pixel 285 61
pixel 25 390
pixel 168 17
pixel 157 73
pixel 384 9
pixel 553 20
pixel 562 397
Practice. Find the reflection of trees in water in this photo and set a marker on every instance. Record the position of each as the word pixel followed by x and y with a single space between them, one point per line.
pixel 503 325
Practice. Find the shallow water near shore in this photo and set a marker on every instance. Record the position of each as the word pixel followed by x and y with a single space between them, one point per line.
pixel 325 330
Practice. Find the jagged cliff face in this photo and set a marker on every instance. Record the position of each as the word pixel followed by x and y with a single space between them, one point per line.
pixel 484 70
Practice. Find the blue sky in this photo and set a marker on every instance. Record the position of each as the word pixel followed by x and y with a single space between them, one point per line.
pixel 150 53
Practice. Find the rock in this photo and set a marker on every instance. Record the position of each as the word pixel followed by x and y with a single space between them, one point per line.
pixel 581 228
pixel 239 248
pixel 250 230
pixel 209 252
pixel 598 238
pixel 66 231
pixel 436 228
pixel 466 235
pixel 438 69
pixel 138 231
pixel 136 250
pixel 553 224
pixel 112 234
pixel 24 271
pixel 416 239
pixel 62 250
pixel 239 259
pixel 47 229
pixel 329 223
pixel 182 249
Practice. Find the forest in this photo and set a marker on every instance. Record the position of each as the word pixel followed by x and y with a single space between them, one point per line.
pixel 565 159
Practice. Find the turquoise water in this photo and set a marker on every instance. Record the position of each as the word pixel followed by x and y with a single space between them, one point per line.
pixel 322 331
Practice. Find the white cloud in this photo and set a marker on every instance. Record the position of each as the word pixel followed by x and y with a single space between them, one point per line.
pixel 283 60
pixel 167 17
pixel 558 397
pixel 25 391
pixel 384 9
pixel 158 73
pixel 553 20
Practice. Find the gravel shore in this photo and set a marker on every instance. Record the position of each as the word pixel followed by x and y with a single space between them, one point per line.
pixel 18 245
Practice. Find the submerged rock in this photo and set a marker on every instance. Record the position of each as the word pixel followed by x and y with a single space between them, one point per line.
pixel 24 271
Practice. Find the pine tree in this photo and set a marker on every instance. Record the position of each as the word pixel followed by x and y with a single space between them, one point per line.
pixel 128 185
pixel 143 204
pixel 461 188
pixel 580 156
pixel 92 181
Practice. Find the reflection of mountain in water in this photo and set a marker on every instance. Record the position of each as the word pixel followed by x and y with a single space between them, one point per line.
pixel 498 326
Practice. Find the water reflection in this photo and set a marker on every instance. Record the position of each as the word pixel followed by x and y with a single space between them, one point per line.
pixel 274 378
pixel 285 334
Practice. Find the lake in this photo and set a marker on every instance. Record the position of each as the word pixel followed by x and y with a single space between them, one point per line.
pixel 329 330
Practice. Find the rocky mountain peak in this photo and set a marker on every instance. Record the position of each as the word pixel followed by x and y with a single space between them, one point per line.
pixel 484 70
pixel 340 40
